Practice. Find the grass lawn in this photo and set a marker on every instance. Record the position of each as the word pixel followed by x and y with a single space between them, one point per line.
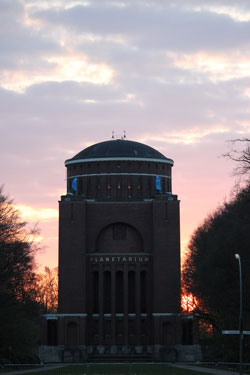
pixel 117 369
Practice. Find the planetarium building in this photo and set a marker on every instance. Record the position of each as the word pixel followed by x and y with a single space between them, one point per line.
pixel 119 260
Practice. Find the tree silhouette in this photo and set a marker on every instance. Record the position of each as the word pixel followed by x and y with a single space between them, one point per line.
pixel 210 271
pixel 18 309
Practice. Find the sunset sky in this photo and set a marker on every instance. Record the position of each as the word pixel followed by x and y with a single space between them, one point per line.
pixel 175 74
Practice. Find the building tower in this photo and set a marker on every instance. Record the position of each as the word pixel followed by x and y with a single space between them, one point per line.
pixel 119 258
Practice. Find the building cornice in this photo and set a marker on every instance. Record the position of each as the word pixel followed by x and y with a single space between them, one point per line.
pixel 76 161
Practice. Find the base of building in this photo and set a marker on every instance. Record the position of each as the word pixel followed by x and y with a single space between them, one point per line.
pixel 125 353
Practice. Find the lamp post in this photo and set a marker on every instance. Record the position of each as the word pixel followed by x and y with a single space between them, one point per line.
pixel 237 256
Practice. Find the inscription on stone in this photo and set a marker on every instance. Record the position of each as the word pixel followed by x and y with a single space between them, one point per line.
pixel 119 259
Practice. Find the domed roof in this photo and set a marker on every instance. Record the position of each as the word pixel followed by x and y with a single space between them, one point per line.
pixel 119 149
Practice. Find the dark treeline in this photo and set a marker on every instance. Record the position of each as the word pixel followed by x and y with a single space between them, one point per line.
pixel 20 288
pixel 211 271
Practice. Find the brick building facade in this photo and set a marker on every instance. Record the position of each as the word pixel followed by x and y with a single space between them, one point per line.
pixel 119 260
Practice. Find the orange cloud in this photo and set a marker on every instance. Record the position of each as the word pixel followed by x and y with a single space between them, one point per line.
pixel 37 214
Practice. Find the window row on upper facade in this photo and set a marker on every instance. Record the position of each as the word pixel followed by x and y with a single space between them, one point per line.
pixel 107 186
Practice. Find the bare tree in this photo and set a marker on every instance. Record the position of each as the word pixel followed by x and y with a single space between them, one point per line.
pixel 47 289
pixel 240 153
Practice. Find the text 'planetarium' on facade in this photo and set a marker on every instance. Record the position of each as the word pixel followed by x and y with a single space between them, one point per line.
pixel 119 260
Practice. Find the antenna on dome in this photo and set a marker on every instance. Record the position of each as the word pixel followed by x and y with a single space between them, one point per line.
pixel 113 134
pixel 124 134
